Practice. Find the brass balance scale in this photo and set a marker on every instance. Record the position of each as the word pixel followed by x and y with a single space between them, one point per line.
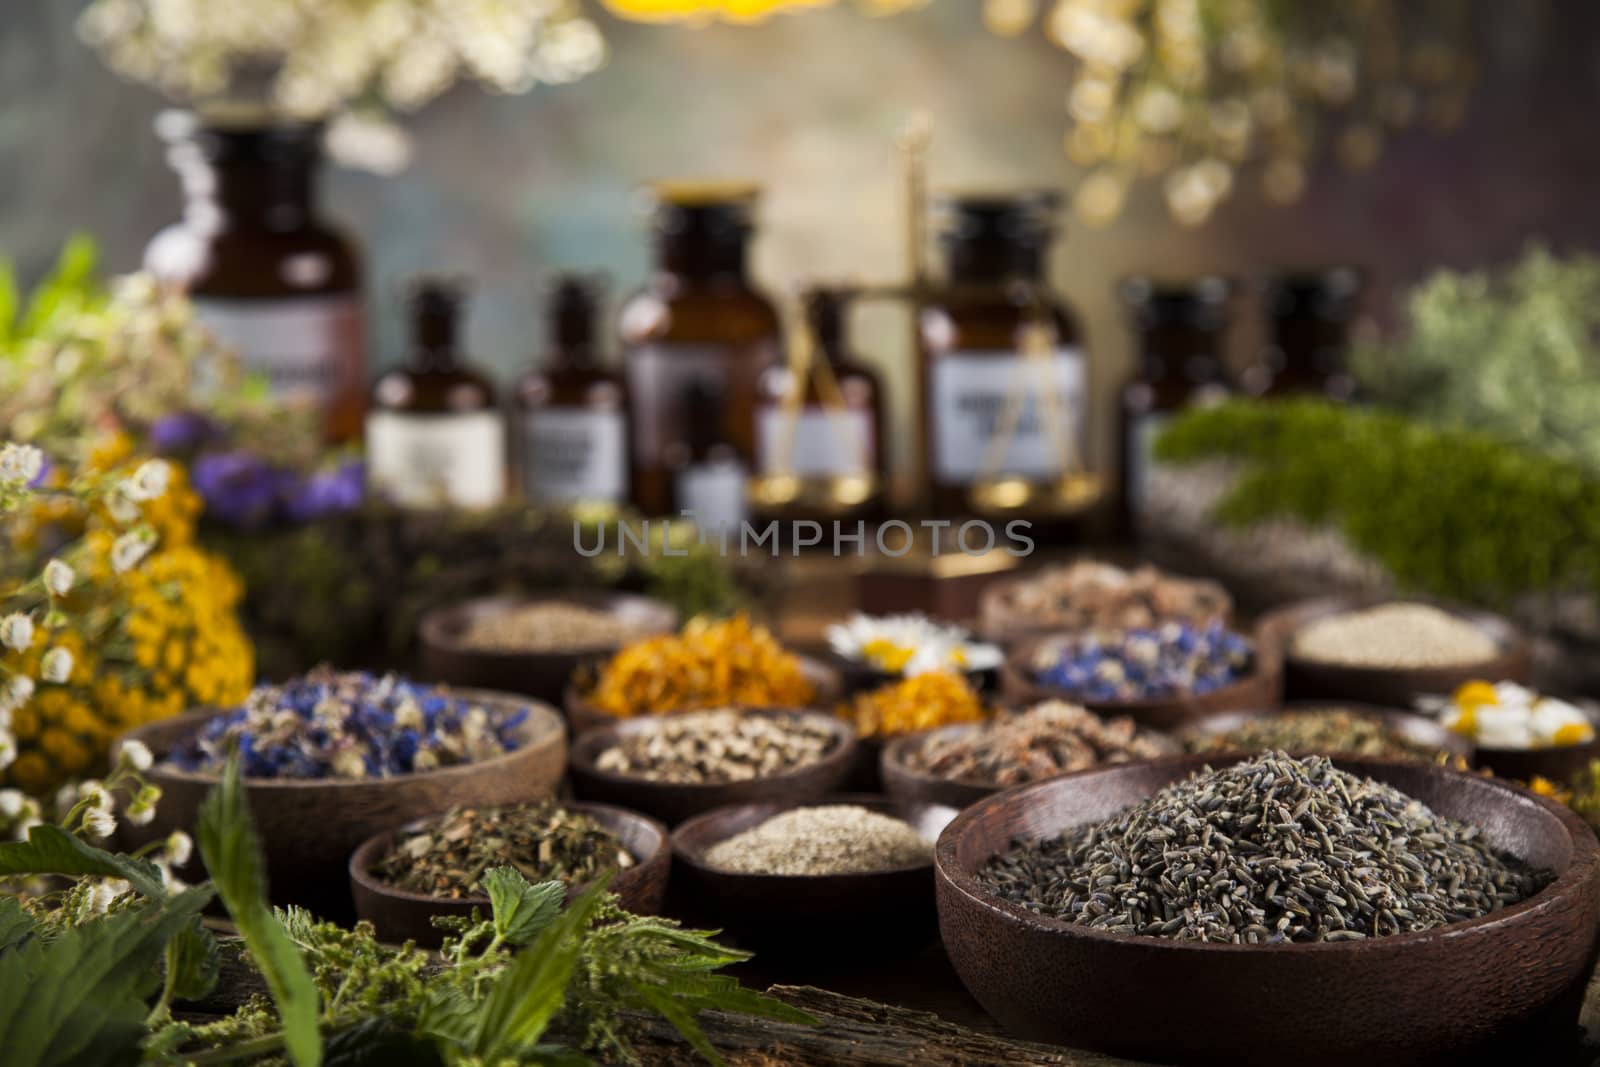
pixel 995 494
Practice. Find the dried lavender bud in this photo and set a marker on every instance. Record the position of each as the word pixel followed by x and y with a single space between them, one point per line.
pixel 1324 730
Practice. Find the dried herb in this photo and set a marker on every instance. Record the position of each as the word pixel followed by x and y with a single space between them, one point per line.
pixel 448 856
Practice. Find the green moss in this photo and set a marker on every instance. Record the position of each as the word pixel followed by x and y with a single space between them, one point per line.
pixel 1451 512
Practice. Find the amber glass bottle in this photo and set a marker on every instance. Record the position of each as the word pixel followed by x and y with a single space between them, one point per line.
pixel 1308 333
pixel 699 321
pixel 1180 329
pixel 827 431
pixel 708 473
pixel 435 436
pixel 1005 377
pixel 571 424
pixel 266 272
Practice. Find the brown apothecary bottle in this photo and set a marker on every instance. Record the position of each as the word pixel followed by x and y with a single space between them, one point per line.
pixel 1005 376
pixel 435 435
pixel 1180 329
pixel 1308 315
pixel 826 433
pixel 570 424
pixel 266 272
pixel 699 321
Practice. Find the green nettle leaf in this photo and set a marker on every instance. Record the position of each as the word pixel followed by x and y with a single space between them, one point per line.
pixel 521 909
pixel 51 850
pixel 232 855
pixel 196 962
pixel 529 992
pixel 78 999
pixel 15 924
pixel 448 1016
pixel 378 1043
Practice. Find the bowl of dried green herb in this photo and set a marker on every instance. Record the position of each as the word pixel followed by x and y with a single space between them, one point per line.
pixel 1279 909
pixel 435 866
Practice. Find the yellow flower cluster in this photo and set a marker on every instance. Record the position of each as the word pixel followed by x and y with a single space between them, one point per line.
pixel 920 702
pixel 157 640
pixel 711 664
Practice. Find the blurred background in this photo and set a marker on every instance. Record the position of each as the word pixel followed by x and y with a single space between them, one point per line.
pixel 510 188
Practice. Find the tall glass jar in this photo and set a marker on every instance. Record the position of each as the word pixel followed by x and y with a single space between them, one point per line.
pixel 1180 329
pixel 266 272
pixel 1006 378
pixel 571 425
pixel 698 329
pixel 1308 317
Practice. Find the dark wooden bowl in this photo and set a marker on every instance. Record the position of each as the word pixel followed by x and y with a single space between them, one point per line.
pixel 399 916
pixel 835 916
pixel 1395 688
pixel 1262 687
pixel 1413 999
pixel 541 675
pixel 672 802
pixel 583 716
pixel 309 828
pixel 1558 764
pixel 910 786
pixel 1415 727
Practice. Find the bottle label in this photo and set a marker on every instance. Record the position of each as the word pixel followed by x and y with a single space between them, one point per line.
pixel 715 492
pixel 424 461
pixel 571 456
pixel 1007 414
pixel 815 441
pixel 310 348
pixel 661 377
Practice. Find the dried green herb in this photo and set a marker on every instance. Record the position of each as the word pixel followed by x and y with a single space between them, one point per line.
pixel 448 856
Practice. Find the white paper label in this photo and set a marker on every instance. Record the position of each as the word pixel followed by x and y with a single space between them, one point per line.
pixel 814 441
pixel 1142 433
pixel 437 460
pixel 571 456
pixel 305 346
pixel 714 492
pixel 1007 414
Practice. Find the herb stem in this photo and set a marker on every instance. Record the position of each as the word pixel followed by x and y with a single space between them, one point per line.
pixel 163 1006
pixel 244 1050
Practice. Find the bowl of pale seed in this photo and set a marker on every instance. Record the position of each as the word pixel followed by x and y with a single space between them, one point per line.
pixel 1276 910
pixel 1383 651
pixel 677 766
pixel 823 879
pixel 439 865
pixel 1345 729
pixel 533 644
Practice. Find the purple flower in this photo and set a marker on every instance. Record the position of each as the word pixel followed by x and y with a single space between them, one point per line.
pixel 239 488
pixel 183 431
pixel 328 492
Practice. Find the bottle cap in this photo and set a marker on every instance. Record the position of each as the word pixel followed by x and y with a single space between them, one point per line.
pixel 1331 294
pixel 1194 303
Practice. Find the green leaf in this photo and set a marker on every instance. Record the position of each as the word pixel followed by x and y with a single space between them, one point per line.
pixel 378 1043
pixel 232 855
pixel 196 961
pixel 51 850
pixel 15 924
pixel 528 993
pixel 10 300
pixel 521 909
pixel 448 1016
pixel 78 999
pixel 68 288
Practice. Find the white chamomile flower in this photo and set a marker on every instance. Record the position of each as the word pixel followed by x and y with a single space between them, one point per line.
pixel 56 666
pixel 58 578
pixel 136 754
pixel 96 794
pixel 20 464
pixel 150 481
pixel 101 896
pixel 12 802
pixel 8 749
pixel 16 632
pixel 130 549
pixel 179 847
pixel 123 508
pixel 100 822
pixel 18 692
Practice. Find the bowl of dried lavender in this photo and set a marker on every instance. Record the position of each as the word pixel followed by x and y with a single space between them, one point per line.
pixel 401 880
pixel 1279 909
pixel 533 644
pixel 331 758
pixel 1357 730
pixel 961 764
pixel 677 766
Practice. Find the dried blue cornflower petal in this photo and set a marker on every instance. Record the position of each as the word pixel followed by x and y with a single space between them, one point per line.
pixel 1171 660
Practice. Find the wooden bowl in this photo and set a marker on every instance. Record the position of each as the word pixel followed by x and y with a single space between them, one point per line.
pixel 1516 975
pixel 309 828
pixel 1262 687
pixel 583 716
pixel 911 786
pixel 836 916
pixel 400 916
pixel 1389 687
pixel 672 802
pixel 1560 764
pixel 1417 728
pixel 541 675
